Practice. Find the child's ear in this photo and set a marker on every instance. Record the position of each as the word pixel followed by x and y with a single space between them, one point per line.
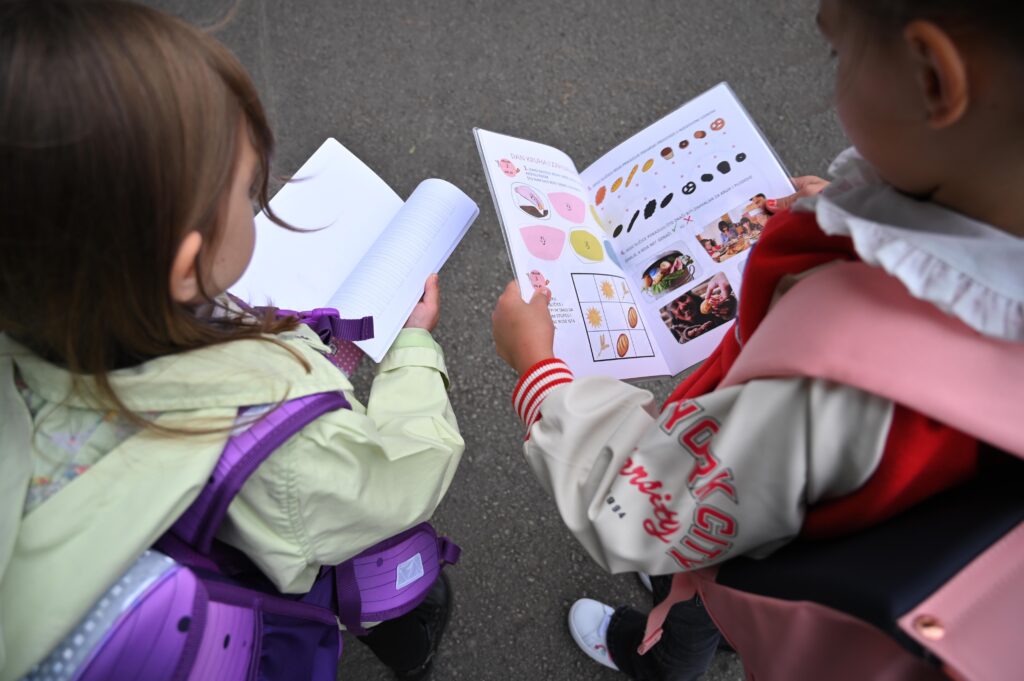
pixel 184 277
pixel 942 73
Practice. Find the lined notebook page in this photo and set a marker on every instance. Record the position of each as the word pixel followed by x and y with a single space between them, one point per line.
pixel 388 281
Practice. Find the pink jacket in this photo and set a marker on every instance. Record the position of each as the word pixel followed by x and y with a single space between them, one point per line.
pixel 971 622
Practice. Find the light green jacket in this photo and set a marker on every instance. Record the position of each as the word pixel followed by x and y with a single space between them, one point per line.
pixel 345 482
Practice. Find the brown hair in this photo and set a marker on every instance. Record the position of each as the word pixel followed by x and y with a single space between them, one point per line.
pixel 118 137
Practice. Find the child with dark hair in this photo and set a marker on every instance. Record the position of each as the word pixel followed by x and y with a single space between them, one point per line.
pixel 728 231
pixel 711 246
pixel 815 418
pixel 133 148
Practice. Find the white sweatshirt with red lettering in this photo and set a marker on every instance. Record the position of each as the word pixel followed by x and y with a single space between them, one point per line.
pixel 735 471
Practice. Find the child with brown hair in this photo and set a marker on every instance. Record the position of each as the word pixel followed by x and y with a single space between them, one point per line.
pixel 133 148
pixel 876 362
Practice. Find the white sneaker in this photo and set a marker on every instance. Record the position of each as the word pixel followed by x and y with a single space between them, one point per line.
pixel 588 624
pixel 645 579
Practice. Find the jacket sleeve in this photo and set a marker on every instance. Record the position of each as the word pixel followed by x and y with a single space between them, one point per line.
pixel 353 477
pixel 728 473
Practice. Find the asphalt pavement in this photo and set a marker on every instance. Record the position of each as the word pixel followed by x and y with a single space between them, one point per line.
pixel 402 83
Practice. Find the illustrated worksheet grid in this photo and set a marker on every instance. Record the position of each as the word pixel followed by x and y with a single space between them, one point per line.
pixel 614 326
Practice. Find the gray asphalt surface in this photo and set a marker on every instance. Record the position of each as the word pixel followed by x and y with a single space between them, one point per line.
pixel 402 84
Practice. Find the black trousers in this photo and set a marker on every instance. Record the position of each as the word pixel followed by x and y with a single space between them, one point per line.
pixel 401 643
pixel 407 642
pixel 687 646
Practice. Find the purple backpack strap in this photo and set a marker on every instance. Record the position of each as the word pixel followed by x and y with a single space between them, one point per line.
pixel 337 334
pixel 328 324
pixel 242 455
pixel 386 580
pixel 325 321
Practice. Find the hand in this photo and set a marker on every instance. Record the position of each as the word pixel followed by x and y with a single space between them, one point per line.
pixel 428 310
pixel 808 185
pixel 718 287
pixel 523 332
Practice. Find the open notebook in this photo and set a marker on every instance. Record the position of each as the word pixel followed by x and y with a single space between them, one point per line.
pixel 371 252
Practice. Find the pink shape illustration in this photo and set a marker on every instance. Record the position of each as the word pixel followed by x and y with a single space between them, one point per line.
pixel 537 279
pixel 543 242
pixel 569 206
pixel 508 167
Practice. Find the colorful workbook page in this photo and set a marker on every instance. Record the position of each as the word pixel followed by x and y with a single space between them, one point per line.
pixel 553 241
pixel 682 204
pixel 362 249
pixel 667 219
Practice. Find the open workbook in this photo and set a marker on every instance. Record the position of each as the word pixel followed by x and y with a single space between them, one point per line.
pixel 643 250
pixel 370 253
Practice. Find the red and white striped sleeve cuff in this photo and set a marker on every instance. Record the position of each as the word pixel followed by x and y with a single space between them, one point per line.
pixel 534 386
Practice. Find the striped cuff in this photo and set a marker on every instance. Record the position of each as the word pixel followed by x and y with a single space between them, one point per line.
pixel 535 385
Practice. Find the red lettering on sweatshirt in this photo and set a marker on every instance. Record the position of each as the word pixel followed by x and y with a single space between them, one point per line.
pixel 708 553
pixel 683 561
pixel 664 524
pixel 712 530
pixel 680 410
pixel 703 534
pixel 721 482
pixel 697 441
pixel 715 521
pixel 706 539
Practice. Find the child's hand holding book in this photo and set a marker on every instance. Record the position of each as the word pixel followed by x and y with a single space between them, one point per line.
pixel 428 311
pixel 523 332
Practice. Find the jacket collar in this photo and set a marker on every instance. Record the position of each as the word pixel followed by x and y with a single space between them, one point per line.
pixel 964 267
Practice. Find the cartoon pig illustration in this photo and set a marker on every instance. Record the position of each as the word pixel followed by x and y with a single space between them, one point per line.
pixel 508 167
pixel 537 280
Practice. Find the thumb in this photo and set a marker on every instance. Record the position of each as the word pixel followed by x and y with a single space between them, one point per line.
pixel 541 297
pixel 432 290
pixel 779 205
pixel 786 202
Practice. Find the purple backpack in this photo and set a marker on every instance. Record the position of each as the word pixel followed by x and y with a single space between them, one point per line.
pixel 193 608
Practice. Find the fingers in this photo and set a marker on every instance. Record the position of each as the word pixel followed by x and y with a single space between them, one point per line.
pixel 541 297
pixel 808 185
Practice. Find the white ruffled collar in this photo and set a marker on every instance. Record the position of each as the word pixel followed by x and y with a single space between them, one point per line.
pixel 967 268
